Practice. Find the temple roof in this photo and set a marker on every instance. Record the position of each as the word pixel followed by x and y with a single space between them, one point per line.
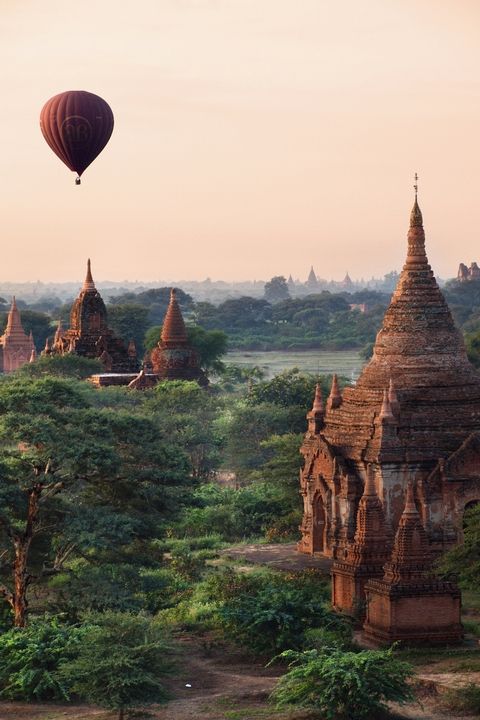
pixel 420 353
pixel 174 332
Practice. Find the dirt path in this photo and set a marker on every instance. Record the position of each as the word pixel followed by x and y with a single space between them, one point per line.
pixel 213 684
pixel 282 556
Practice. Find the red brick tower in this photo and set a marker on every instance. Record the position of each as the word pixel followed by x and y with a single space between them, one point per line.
pixel 15 345
pixel 414 413
pixel 174 358
pixel 409 603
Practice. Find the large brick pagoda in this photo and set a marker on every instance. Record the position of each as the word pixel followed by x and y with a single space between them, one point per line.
pixel 414 414
pixel 89 334
pixel 16 347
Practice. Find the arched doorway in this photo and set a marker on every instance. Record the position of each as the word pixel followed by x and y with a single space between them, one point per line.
pixel 318 537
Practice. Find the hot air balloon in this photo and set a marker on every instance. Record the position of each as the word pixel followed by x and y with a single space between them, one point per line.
pixel 77 125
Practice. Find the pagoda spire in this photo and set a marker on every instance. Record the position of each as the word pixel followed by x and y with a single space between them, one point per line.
pixel 316 414
pixel 88 284
pixel 410 559
pixel 335 397
pixel 416 235
pixel 14 322
pixel 174 332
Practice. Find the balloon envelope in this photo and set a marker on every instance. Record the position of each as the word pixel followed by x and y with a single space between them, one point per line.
pixel 77 125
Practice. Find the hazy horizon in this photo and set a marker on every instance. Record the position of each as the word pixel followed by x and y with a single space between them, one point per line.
pixel 252 137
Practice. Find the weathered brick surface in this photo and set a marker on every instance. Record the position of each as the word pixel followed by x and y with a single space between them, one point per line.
pixel 414 413
pixel 409 603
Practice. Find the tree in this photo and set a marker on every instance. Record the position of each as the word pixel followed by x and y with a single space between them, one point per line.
pixel 66 366
pixel 155 300
pixel 463 560
pixel 119 662
pixel 287 389
pixel 472 342
pixel 65 490
pixel 129 321
pixel 276 289
pixel 210 345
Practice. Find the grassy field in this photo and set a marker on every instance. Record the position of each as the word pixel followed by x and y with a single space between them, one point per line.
pixel 322 362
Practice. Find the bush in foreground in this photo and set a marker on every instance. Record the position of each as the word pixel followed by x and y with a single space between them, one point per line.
pixel 30 657
pixel 119 663
pixel 343 685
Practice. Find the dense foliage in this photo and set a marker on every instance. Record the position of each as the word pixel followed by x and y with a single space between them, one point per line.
pixel 30 659
pixel 343 685
pixel 464 560
pixel 119 663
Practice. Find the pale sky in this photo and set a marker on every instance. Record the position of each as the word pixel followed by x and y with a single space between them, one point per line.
pixel 252 137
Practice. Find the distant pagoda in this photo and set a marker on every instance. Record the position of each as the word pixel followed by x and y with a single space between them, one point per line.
pixel 312 281
pixel 174 358
pixel 16 347
pixel 89 335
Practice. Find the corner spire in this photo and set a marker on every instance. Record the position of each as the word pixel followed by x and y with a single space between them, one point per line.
pixel 410 507
pixel 315 416
pixel 335 397
pixel 318 402
pixel 88 283
pixel 370 488
pixel 392 398
pixel 386 410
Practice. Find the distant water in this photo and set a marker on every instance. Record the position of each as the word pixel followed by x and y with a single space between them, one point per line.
pixel 318 362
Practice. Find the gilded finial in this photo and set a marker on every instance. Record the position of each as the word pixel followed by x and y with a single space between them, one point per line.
pixel 416 219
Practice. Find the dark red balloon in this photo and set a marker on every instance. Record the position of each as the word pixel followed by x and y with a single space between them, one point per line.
pixel 77 125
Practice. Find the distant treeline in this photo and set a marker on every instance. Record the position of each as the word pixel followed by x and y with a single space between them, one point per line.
pixel 331 321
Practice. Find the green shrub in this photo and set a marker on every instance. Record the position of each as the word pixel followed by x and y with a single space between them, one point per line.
pixel 187 564
pixel 464 699
pixel 337 635
pixel 119 662
pixel 30 657
pixel 270 612
pixel 284 528
pixel 233 514
pixel 343 685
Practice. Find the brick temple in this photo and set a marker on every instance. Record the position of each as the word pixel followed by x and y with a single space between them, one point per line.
pixel 413 416
pixel 174 358
pixel 16 347
pixel 89 334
